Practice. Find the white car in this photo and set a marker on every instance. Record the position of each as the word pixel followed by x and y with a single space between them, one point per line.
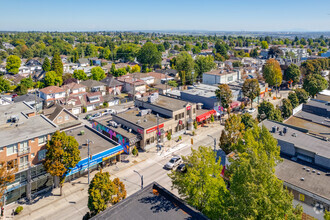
pixel 175 161
pixel 96 115
pixel 251 110
pixel 109 111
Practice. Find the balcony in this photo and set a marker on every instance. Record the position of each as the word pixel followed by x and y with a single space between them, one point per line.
pixel 23 151
pixel 23 166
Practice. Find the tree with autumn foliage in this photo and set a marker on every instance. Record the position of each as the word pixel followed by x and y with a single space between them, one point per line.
pixel 62 155
pixel 224 94
pixel 251 89
pixel 272 73
pixel 103 191
pixel 7 175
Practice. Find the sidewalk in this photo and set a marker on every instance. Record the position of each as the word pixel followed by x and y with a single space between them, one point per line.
pixel 78 188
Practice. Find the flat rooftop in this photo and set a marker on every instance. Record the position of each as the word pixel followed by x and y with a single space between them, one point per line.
pixel 167 102
pixel 146 121
pixel 302 140
pixel 26 128
pixel 99 143
pixel 319 104
pixel 120 130
pixel 292 172
pixel 6 111
pixel 313 117
pixel 200 92
pixel 311 126
pixel 152 202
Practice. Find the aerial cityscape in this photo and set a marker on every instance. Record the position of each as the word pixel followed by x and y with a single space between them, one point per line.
pixel 176 110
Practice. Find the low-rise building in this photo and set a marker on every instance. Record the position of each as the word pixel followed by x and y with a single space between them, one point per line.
pixel 221 77
pixel 61 117
pixel 94 86
pixel 51 94
pixel 113 86
pixel 31 99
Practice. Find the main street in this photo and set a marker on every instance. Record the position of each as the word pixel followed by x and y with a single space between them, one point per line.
pixel 73 204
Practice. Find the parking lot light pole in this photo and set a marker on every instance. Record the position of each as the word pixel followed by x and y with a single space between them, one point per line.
pixel 214 139
pixel 141 176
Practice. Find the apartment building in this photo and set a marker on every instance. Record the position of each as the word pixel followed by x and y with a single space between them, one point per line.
pixel 23 138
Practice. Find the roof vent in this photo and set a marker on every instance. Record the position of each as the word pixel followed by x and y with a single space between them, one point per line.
pixel 313 171
pixel 304 168
pixel 308 170
pixel 318 173
pixel 294 135
pixel 302 178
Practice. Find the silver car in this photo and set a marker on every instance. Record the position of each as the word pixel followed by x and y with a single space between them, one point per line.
pixel 175 161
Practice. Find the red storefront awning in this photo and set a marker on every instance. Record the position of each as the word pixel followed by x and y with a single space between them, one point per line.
pixel 205 115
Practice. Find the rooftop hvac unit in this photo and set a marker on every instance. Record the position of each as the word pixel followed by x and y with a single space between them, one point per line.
pixel 14 118
pixel 273 129
pixel 302 178
pixel 285 130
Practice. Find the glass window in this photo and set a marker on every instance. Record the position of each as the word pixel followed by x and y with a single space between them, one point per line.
pixel 11 149
pixel 176 117
pixel 42 140
pixel 42 154
pixel 59 119
pixel 24 145
pixel 66 117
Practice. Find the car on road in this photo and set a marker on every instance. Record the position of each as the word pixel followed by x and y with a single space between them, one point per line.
pixel 88 116
pixel 96 115
pixel 175 161
pixel 109 112
pixel 251 110
pixel 182 168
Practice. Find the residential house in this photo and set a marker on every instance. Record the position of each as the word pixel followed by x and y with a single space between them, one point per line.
pixel 33 65
pixel 160 77
pixel 94 86
pixel 51 94
pixel 74 88
pixel 130 83
pixel 32 99
pixel 62 117
pixel 72 103
pixel 92 100
pixel 6 99
pixel 2 69
pixel 83 62
pixel 113 86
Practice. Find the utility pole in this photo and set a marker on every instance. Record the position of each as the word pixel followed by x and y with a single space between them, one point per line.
pixel 141 176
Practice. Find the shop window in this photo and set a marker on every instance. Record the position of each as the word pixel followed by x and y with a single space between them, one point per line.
pixel 42 140
pixel 176 117
pixel 182 115
pixel 147 141
pixel 152 140
pixel 11 149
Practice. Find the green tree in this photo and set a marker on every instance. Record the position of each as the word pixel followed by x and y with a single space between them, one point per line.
pixel 314 83
pixel 160 47
pixel 172 83
pixel 251 89
pixel 327 215
pixel 224 94
pixel 254 53
pixel 264 44
pixel 167 45
pixel 202 185
pixel 234 129
pixel 27 82
pixel 97 73
pixel 149 55
pixel 272 73
pixel 293 73
pixel 136 69
pixel 196 50
pixel 62 155
pixel 13 64
pixel 204 64
pixel 52 79
pixel 185 63
pixel 80 75
pixel 286 108
pixel 103 191
pixel 302 95
pixel 221 48
pixel 21 89
pixel 57 64
pixel 4 85
pixel 293 99
pixel 255 191
pixel 46 65
pixel 205 46
pixel 266 110
pixel 247 120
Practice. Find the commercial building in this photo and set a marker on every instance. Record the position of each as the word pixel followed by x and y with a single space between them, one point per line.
pixel 147 203
pixel 23 139
pixel 221 76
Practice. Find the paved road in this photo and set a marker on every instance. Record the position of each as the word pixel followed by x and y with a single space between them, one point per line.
pixel 74 205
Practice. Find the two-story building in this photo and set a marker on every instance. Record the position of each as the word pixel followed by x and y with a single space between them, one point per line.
pixel 23 139
pixel 74 89
pixel 51 94
pixel 94 86
pixel 221 77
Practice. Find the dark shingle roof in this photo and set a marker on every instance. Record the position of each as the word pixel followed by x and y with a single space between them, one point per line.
pixel 152 202
pixel 111 82
pixel 91 83
pixel 27 98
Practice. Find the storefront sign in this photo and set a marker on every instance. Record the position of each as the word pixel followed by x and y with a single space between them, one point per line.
pixel 205 116
pixel 154 128
pixel 188 107
pixel 140 131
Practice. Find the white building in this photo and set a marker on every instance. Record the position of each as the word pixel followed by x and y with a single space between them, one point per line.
pixel 221 77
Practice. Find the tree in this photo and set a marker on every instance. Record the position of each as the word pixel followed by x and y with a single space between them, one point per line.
pixel 272 73
pixel 185 63
pixel 315 83
pixel 247 120
pixel 302 95
pixel 202 185
pixel 275 52
pixel 327 215
pixel 160 47
pixel 57 65
pixel 46 65
pixel 80 75
pixel 196 50
pixel 266 110
pixel 167 45
pixel 293 99
pixel 286 108
pixel 149 55
pixel 251 89
pixel 62 155
pixel 103 191
pixel 52 79
pixel 264 45
pixel 234 129
pixel 13 64
pixel 254 53
pixel 172 83
pixel 255 191
pixel 204 46
pixel 4 85
pixel 293 73
pixel 21 89
pixel 27 82
pixel 204 64
pixel 221 48
pixel 224 94
pixel 136 69
pixel 97 73
pixel 7 176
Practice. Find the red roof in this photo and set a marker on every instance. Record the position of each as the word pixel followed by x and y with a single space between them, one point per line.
pixel 51 89
pixel 205 115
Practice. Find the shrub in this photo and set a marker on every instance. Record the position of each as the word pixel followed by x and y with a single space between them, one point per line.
pixel 18 209
pixel 180 138
pixel 84 109
pixel 105 104
pixel 135 151
pixel 193 133
pixel 195 125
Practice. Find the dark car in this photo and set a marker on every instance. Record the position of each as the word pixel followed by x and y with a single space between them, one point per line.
pixel 182 168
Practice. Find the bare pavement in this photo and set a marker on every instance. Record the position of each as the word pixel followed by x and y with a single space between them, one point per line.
pixel 73 203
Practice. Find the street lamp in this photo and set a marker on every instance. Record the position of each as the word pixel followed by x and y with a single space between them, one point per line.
pixel 214 139
pixel 141 176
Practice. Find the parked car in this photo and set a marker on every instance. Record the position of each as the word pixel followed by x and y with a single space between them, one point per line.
pixel 251 110
pixel 175 161
pixel 88 116
pixel 109 112
pixel 182 168
pixel 96 115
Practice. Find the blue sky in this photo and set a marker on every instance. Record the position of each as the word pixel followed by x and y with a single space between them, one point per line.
pixel 213 15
